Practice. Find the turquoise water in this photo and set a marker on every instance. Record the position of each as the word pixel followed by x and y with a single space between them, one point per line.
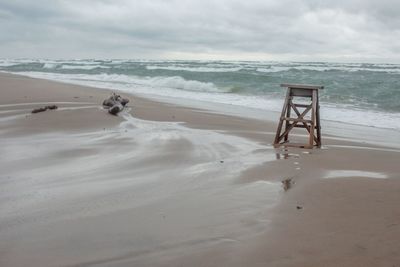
pixel 368 94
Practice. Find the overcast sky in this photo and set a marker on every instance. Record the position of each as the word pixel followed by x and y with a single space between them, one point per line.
pixel 303 30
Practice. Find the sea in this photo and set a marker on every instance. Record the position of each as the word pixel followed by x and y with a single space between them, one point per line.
pixel 354 93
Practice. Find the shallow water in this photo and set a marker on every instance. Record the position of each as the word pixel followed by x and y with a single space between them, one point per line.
pixel 137 189
pixel 354 173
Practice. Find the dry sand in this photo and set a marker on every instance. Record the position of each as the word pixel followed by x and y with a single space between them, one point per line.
pixel 164 185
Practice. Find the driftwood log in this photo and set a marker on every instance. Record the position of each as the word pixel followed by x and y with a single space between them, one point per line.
pixel 37 110
pixel 115 104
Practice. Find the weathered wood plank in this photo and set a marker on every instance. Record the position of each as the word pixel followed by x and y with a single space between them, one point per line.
pixel 287 124
pixel 297 120
pixel 313 111
pixel 302 105
pixel 302 86
pixel 318 126
pixel 285 106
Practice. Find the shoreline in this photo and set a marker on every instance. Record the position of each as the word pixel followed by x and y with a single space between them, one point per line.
pixel 332 130
pixel 223 195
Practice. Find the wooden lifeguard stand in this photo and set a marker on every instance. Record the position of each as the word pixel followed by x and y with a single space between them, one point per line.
pixel 311 123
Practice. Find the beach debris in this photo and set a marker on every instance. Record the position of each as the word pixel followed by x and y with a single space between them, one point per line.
pixel 221 161
pixel 52 107
pixel 115 104
pixel 287 184
pixel 299 207
pixel 37 110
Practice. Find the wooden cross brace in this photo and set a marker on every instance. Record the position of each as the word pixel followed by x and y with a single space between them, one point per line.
pixel 310 125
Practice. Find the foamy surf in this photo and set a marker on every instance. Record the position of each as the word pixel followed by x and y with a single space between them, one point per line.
pixel 356 93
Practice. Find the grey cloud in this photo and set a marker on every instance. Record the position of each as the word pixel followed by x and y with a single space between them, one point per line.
pixel 271 29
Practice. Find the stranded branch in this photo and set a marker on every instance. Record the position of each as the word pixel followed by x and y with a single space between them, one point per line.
pixel 115 103
pixel 37 110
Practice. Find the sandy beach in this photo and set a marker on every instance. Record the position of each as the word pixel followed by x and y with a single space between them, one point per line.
pixel 169 185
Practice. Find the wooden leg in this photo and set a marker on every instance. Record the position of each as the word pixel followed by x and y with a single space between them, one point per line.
pixel 285 106
pixel 313 117
pixel 287 124
pixel 318 124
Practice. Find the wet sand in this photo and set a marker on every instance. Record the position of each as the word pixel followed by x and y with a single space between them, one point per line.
pixel 165 185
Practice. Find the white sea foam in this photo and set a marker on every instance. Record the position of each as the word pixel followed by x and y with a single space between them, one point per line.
pixel 8 63
pixel 273 69
pixel 354 173
pixel 139 84
pixel 179 88
pixel 373 118
pixel 328 68
pixel 193 69
pixel 51 65
pixel 211 66
pixel 83 67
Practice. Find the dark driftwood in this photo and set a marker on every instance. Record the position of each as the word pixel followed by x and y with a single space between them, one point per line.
pixel 37 110
pixel 115 104
pixel 52 107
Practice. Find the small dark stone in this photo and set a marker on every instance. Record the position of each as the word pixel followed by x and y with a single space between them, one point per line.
pixel 299 207
pixel 221 161
pixel 124 101
pixel 114 109
pixel 287 184
pixel 52 107
pixel 108 103
pixel 37 110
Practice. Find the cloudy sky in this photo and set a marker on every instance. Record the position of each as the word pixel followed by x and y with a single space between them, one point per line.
pixel 303 30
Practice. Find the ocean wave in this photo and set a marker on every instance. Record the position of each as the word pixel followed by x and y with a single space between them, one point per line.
pixel 194 69
pixel 72 66
pixel 370 87
pixel 83 67
pixel 51 65
pixel 177 82
pixel 272 69
pixel 174 82
pixel 202 67
pixel 178 88
pixel 8 63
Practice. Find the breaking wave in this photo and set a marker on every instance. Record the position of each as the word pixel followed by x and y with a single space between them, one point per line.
pixel 366 94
